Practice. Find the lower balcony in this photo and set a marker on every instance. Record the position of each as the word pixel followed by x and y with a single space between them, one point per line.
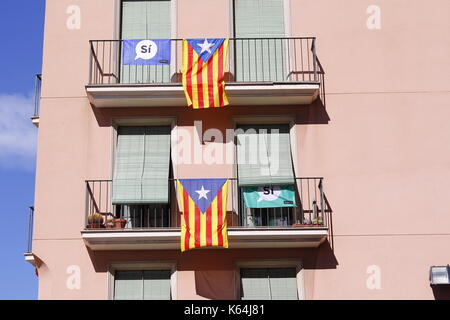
pixel 28 255
pixel 152 227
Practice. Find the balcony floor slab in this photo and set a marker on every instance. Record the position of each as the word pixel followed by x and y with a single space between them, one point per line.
pixel 172 95
pixel 169 239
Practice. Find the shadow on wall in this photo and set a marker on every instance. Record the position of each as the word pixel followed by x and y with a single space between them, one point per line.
pixel 325 258
pixel 214 270
pixel 215 284
pixel 216 280
pixel 441 292
pixel 315 113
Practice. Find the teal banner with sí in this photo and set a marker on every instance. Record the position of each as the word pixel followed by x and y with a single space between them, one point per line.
pixel 269 196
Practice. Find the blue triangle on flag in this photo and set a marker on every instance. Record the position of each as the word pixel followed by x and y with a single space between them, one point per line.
pixel 205 48
pixel 202 191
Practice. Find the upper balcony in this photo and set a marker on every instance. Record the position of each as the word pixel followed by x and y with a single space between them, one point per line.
pixel 157 226
pixel 259 71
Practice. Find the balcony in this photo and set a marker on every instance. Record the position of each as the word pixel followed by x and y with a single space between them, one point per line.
pixel 260 71
pixel 147 227
pixel 37 100
pixel 28 255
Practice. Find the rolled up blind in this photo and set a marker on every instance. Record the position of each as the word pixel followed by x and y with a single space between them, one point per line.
pixel 155 178
pixel 264 155
pixel 142 165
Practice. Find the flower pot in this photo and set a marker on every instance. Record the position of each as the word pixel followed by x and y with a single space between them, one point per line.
pixel 120 223
pixel 95 226
pixel 95 219
pixel 300 225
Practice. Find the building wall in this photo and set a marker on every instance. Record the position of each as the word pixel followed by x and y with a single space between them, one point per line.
pixel 379 143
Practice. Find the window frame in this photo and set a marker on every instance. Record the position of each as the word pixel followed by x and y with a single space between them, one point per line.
pixel 287 17
pixel 173 18
pixel 139 216
pixel 232 22
pixel 145 134
pixel 150 121
pixel 289 213
pixel 271 264
pixel 141 121
pixel 173 29
pixel 287 119
pixel 143 266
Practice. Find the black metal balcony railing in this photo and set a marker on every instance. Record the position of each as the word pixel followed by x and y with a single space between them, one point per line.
pixel 312 209
pixel 37 95
pixel 249 60
pixel 30 229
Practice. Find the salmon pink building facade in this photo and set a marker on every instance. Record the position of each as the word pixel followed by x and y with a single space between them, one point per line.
pixel 333 146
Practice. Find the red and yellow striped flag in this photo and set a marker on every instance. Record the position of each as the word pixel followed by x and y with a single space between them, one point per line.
pixel 203 70
pixel 204 206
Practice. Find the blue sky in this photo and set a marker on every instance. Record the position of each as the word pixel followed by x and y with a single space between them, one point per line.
pixel 21 31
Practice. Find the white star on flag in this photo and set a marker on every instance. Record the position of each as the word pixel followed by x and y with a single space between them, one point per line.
pixel 206 46
pixel 202 193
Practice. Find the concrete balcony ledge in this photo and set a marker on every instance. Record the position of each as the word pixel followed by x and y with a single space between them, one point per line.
pixel 169 239
pixel 30 258
pixel 172 94
pixel 35 121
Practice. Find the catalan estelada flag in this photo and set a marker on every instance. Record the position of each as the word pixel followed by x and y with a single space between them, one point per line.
pixel 203 70
pixel 204 206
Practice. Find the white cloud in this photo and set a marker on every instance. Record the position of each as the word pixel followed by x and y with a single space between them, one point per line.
pixel 17 133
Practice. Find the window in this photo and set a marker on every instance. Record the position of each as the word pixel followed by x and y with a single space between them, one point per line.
pixel 268 284
pixel 265 161
pixel 148 19
pixel 266 217
pixel 264 155
pixel 260 59
pixel 145 216
pixel 141 176
pixel 142 285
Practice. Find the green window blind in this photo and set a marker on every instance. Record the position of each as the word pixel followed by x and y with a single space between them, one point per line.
pixel 261 59
pixel 141 173
pixel 254 284
pixel 128 285
pixel 146 20
pixel 142 285
pixel 264 156
pixel 269 284
pixel 283 284
pixel 157 285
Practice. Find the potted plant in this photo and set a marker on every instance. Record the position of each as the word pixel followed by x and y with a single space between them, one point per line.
pixel 317 221
pixel 119 223
pixel 95 221
pixel 109 224
pixel 299 224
